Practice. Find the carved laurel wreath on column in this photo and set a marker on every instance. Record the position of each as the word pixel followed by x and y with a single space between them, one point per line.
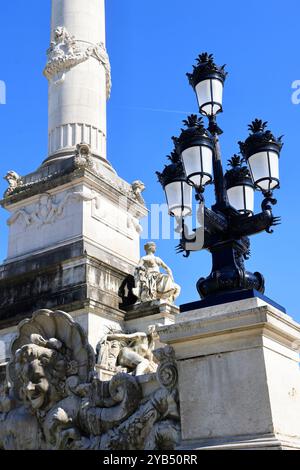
pixel 66 52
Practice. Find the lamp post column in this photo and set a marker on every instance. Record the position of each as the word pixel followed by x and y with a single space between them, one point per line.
pixel 219 181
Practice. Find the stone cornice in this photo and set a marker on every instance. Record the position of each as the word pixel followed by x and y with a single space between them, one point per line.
pixel 154 307
pixel 266 318
pixel 114 190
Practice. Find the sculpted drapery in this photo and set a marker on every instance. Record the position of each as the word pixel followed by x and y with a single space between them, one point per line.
pixel 150 283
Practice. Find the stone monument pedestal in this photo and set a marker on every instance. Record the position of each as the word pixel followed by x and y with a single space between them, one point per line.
pixel 155 312
pixel 239 378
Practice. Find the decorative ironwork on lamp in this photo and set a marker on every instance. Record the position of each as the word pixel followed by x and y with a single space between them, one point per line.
pixel 197 162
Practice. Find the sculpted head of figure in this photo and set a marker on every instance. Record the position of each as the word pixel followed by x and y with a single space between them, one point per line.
pixel 42 368
pixel 150 247
pixel 83 149
pixel 59 33
pixel 11 177
pixel 138 186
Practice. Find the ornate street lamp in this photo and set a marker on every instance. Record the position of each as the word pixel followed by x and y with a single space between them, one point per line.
pixel 195 146
pixel 178 192
pixel 197 161
pixel 239 185
pixel 262 151
pixel 208 79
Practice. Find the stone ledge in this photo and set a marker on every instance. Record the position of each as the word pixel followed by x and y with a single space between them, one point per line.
pixel 260 317
pixel 112 186
pixel 258 442
pixel 153 307
pixel 229 301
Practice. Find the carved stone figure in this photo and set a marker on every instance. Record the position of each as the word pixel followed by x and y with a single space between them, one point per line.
pixel 14 181
pixel 135 192
pixel 132 351
pixel 133 223
pixel 150 283
pixel 137 188
pixel 83 157
pixel 66 52
pixel 55 401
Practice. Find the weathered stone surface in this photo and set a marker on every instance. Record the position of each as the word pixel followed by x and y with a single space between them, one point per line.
pixel 78 71
pixel 132 352
pixel 2 374
pixel 56 402
pixel 239 377
pixel 62 278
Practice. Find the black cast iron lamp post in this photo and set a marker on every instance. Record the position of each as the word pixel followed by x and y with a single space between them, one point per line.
pixel 196 162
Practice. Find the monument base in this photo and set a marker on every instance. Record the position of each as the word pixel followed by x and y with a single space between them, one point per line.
pixel 239 378
pixel 262 442
pixel 155 312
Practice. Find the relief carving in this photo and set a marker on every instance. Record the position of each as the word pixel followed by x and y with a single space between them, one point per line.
pixel 66 52
pixel 132 352
pixel 55 401
pixel 47 210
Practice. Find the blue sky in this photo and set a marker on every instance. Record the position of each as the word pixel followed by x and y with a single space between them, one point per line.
pixel 152 44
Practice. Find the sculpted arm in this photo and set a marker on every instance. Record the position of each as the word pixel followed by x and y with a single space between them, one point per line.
pixel 141 264
pixel 164 266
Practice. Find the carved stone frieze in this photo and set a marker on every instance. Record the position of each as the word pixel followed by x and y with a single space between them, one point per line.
pixel 47 210
pixel 132 352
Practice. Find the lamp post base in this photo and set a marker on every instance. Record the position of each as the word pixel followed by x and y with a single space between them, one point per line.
pixel 228 271
pixel 238 375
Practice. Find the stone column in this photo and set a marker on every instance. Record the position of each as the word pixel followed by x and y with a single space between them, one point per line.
pixel 78 71
pixel 239 378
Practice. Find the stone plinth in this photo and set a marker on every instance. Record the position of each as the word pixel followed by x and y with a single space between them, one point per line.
pixel 156 312
pixel 239 378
